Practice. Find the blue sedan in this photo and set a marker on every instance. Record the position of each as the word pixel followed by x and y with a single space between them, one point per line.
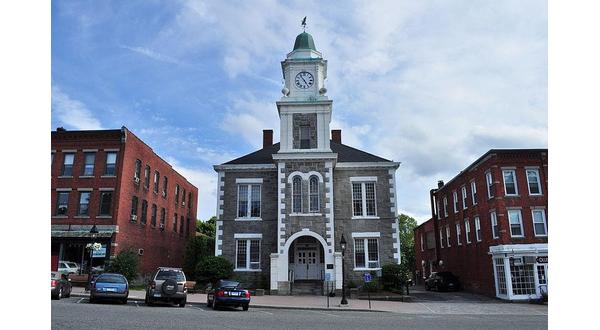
pixel 228 293
pixel 109 286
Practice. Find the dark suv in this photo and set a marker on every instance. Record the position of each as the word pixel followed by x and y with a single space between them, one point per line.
pixel 442 281
pixel 167 285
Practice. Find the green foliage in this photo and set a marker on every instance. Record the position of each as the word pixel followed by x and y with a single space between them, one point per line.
pixel 126 263
pixel 211 269
pixel 394 276
pixel 406 228
pixel 197 247
pixel 351 284
pixel 208 227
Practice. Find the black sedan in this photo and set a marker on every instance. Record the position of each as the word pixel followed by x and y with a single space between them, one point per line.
pixel 228 293
pixel 60 286
pixel 442 281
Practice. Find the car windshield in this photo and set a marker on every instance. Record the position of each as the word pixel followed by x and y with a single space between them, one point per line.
pixel 111 279
pixel 170 274
pixel 72 264
pixel 229 284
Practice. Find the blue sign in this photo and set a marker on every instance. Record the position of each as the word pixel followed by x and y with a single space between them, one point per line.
pixel 327 276
pixel 368 278
pixel 100 253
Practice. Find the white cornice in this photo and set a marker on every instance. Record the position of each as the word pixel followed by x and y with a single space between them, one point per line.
pixel 354 165
pixel 305 155
pixel 519 248
pixel 256 167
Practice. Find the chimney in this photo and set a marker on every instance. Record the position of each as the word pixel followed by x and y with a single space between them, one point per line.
pixel 267 138
pixel 336 135
pixel 61 129
pixel 440 184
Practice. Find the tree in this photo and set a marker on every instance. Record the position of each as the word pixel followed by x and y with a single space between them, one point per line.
pixel 126 263
pixel 406 228
pixel 208 227
pixel 211 269
pixel 196 248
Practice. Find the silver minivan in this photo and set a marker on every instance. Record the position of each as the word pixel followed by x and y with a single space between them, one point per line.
pixel 166 285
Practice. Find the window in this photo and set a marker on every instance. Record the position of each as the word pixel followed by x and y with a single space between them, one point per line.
pixel 539 222
pixel 84 203
pixel 474 192
pixel 500 275
pixel 516 223
pixel 422 247
pixel 455 200
pixel 165 185
pixel 249 201
pixel 430 240
pixel 297 195
pixel 187 226
pixel 176 194
pixel 183 198
pixel 162 218
pixel 523 282
pixel 468 231
pixel 533 182
pixel 304 137
pixel 88 164
pixel 147 177
pixel 448 235
pixel 490 184
pixel 458 234
pixel 441 239
pixel 247 258
pixel 67 169
pixel 366 253
pixel 134 208
pixel 363 199
pixel 182 219
pixel 144 212
pixel 175 222
pixel 439 211
pixel 105 202
pixel 464 197
pixel 313 194
pixel 111 163
pixel 156 181
pixel 477 229
pixel 62 203
pixel 494 222
pixel 189 200
pixel 153 216
pixel 510 183
pixel 138 170
pixel 445 206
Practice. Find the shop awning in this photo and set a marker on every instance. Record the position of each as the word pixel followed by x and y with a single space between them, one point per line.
pixel 80 234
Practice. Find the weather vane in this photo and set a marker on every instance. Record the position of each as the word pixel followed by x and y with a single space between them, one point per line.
pixel 304 24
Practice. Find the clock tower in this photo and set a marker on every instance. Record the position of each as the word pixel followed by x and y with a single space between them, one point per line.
pixel 304 109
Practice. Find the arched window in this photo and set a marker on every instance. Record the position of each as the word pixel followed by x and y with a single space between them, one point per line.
pixel 297 195
pixel 313 191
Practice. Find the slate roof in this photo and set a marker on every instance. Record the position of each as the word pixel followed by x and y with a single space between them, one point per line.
pixel 345 154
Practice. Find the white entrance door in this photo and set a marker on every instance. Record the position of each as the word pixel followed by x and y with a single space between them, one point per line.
pixel 307 264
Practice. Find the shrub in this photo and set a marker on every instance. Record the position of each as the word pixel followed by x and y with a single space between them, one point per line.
pixel 126 263
pixel 196 248
pixel 395 276
pixel 351 284
pixel 211 269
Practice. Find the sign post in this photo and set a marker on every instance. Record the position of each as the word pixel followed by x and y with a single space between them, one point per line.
pixel 368 278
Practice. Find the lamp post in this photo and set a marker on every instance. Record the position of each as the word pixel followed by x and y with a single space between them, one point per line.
pixel 94 232
pixel 343 245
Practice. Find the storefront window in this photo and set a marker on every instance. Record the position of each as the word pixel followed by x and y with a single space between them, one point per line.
pixel 523 282
pixel 541 274
pixel 500 275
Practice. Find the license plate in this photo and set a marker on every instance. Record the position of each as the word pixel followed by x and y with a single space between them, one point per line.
pixel 111 289
pixel 157 294
pixel 234 294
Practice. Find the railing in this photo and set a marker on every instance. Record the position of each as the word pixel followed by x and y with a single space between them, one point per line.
pixel 291 279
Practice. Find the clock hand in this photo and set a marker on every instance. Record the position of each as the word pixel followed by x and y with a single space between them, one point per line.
pixel 303 80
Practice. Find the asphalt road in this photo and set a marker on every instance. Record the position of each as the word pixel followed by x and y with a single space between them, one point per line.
pixel 78 313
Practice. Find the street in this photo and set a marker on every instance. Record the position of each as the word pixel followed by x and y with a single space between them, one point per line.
pixel 78 313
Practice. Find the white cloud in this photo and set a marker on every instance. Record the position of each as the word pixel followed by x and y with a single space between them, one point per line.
pixel 73 113
pixel 153 54
pixel 247 117
pixel 206 182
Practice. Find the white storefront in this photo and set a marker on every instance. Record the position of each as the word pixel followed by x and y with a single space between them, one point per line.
pixel 520 270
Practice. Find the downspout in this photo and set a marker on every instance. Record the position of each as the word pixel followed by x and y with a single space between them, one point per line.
pixel 435 225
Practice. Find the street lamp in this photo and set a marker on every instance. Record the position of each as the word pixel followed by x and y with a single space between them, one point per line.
pixel 94 232
pixel 343 245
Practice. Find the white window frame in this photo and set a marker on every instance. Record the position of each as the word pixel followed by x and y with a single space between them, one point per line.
pixel 514 175
pixel 248 238
pixel 248 201
pixel 455 200
pixel 448 235
pixel 364 197
pixel 477 229
pixel 543 212
pixel 539 182
pixel 441 239
pixel 494 223
pixel 458 234
pixel 422 247
pixel 489 182
pixel 295 179
pixel 473 192
pixel 366 249
pixel 467 231
pixel 445 206
pixel 463 190
pixel 314 208
pixel 515 211
pixel 439 213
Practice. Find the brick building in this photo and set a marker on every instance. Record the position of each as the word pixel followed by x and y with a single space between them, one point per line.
pixel 113 180
pixel 282 210
pixel 490 225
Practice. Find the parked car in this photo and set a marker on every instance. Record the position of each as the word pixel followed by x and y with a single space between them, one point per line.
pixel 60 285
pixel 442 281
pixel 68 267
pixel 167 284
pixel 109 286
pixel 228 293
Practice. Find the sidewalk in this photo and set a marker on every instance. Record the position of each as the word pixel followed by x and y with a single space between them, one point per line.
pixel 320 303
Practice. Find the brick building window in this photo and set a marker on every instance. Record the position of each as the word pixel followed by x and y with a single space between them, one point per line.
pixel 366 253
pixel 516 223
pixel 464 197
pixel 458 234
pixel 62 203
pixel 490 184
pixel 163 215
pixel 189 200
pixel 147 177
pixel 474 192
pixel 441 238
pixel 165 185
pixel 430 240
pixel 477 229
pixel 422 247
pixel 510 183
pixel 84 203
pixel 110 167
pixel 144 217
pixel 105 202
pixel 363 199
pixel 88 164
pixel 181 225
pixel 445 206
pixel 247 254
pixel 533 182
pixel 313 194
pixel 156 181
pixel 183 198
pixel 134 208
pixel 540 228
pixel 500 275
pixel 468 231
pixel 455 201
pixel 249 201
pixel 494 222
pixel 448 235
pixel 175 222
pixel 153 216
pixel 439 211
pixel 67 169
pixel 177 194
pixel 138 171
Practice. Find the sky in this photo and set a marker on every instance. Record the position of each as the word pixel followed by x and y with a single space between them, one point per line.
pixel 430 84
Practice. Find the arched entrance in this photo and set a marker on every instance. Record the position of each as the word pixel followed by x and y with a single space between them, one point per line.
pixel 306 259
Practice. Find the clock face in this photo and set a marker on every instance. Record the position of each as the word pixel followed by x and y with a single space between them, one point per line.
pixel 304 80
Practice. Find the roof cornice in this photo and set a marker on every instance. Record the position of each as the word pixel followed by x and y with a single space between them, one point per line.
pixel 253 167
pixel 354 165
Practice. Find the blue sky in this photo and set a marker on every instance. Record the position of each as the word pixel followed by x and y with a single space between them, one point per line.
pixel 431 84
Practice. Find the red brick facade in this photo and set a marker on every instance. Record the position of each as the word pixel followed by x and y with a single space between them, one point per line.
pixel 472 261
pixel 119 230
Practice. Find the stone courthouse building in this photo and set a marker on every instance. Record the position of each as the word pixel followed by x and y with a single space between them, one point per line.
pixel 282 210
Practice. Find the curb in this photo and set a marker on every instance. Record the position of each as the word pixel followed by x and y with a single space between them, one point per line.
pixel 343 309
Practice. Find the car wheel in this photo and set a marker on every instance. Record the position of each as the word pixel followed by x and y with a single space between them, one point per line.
pixel 59 295
pixel 214 305
pixel 182 302
pixel 245 307
pixel 92 300
pixel 124 301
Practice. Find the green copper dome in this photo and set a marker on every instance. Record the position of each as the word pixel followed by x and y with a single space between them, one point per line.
pixel 304 41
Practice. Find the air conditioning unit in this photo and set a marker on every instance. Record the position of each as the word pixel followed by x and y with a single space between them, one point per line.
pixel 133 217
pixel 136 180
pixel 164 194
pixel 141 252
pixel 161 226
pixel 182 203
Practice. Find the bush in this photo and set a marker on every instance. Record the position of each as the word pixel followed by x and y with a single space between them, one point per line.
pixel 197 247
pixel 395 276
pixel 211 269
pixel 126 263
pixel 351 284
